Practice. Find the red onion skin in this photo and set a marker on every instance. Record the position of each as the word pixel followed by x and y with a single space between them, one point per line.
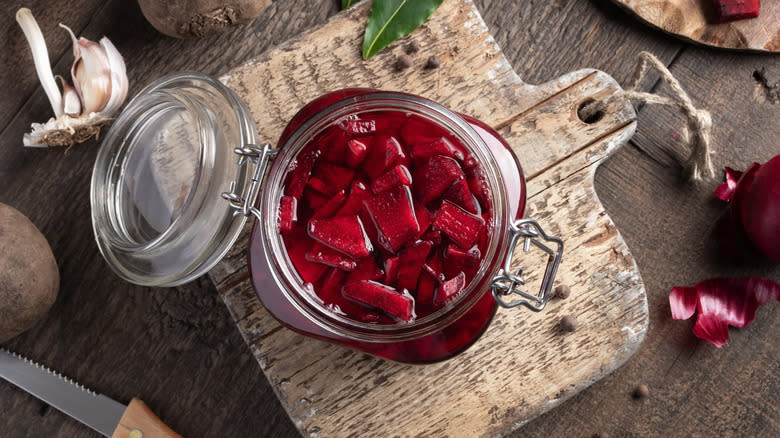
pixel 759 209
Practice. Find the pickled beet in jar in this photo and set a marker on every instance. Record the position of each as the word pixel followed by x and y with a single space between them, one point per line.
pixel 384 222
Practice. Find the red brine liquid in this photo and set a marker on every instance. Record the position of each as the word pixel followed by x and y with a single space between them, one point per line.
pixel 385 216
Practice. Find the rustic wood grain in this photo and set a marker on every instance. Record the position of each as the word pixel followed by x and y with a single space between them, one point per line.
pixel 327 390
pixel 692 20
pixel 179 349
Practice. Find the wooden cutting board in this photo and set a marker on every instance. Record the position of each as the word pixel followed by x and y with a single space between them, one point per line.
pixel 523 365
pixel 690 19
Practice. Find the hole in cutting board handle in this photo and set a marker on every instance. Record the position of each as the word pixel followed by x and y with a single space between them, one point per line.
pixel 593 117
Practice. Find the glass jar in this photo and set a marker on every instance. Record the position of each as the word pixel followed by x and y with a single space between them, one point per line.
pixel 180 171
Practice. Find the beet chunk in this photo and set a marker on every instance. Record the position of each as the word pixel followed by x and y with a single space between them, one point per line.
pixel 288 213
pixel 460 194
pixel 410 263
pixel 342 233
pixel 330 207
pixel 434 177
pixel 442 146
pixel 447 290
pixel 334 178
pixel 382 297
pixel 385 152
pixel 732 10
pixel 320 253
pixel 396 176
pixel 393 215
pixel 461 226
pixel 300 171
pixel 356 152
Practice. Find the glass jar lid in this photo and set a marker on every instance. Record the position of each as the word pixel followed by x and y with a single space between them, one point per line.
pixel 157 208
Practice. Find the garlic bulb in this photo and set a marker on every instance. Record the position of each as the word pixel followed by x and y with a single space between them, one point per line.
pixel 99 87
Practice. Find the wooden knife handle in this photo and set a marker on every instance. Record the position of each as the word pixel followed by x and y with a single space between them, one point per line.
pixel 139 421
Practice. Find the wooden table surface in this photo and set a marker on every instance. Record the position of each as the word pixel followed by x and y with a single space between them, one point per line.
pixel 178 348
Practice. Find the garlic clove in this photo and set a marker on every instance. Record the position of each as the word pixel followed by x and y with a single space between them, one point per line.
pixel 71 104
pixel 99 88
pixel 119 83
pixel 91 73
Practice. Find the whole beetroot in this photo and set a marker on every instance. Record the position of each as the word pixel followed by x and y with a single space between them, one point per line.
pixel 29 277
pixel 200 18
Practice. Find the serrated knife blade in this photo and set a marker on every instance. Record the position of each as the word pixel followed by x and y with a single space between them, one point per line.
pixel 103 414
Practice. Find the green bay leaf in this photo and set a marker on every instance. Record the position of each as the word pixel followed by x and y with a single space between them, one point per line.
pixel 393 19
pixel 347 3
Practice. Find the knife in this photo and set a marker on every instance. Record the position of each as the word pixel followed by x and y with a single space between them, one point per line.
pixel 104 415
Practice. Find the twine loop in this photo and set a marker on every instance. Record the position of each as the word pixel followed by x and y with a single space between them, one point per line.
pixel 698 129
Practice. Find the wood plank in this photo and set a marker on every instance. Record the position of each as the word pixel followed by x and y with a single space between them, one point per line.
pixel 692 20
pixel 325 388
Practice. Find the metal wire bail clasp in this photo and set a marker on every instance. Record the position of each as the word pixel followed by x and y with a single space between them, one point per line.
pixel 507 283
pixel 260 156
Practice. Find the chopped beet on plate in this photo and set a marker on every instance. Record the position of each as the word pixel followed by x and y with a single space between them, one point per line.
pixel 461 226
pixel 342 233
pixel 393 215
pixel 382 297
pixel 732 10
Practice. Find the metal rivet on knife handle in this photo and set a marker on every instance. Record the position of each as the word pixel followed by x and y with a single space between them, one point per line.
pixel 139 420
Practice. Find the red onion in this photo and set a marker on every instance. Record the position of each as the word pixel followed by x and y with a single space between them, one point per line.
pixel 754 211
pixel 760 209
